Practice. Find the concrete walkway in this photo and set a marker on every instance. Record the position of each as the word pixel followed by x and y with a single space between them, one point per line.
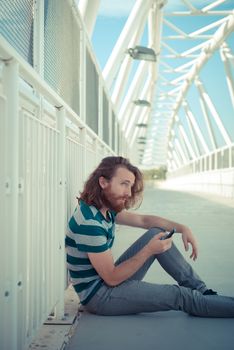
pixel 212 220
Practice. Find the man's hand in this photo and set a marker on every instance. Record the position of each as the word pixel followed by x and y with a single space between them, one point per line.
pixel 188 238
pixel 148 221
pixel 113 275
pixel 157 246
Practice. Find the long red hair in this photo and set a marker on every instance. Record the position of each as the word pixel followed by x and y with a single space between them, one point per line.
pixel 92 192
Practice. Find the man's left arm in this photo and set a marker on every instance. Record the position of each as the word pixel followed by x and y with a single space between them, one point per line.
pixel 148 221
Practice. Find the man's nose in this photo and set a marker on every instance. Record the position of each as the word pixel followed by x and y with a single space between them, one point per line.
pixel 128 192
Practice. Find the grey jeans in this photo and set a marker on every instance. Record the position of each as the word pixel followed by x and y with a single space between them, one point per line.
pixel 136 296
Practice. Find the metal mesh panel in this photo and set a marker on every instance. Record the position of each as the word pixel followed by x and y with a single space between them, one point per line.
pixel 105 131
pixel 16 25
pixel 62 51
pixel 91 93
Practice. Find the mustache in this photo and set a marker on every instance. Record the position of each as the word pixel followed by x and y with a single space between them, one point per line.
pixel 123 197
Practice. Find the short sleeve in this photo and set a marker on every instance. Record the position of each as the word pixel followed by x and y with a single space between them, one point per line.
pixel 88 238
pixel 92 240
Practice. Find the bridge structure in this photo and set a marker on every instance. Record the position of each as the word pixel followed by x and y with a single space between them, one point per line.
pixel 164 98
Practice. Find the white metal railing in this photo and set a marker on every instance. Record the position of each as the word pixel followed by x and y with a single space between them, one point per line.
pixel 221 158
pixel 46 152
pixel 212 173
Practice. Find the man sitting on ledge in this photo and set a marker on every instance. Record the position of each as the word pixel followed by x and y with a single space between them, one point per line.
pixel 106 287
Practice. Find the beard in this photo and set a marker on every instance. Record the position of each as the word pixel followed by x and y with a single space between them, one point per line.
pixel 113 201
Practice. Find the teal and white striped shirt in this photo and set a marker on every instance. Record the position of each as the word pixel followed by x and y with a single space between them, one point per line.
pixel 88 232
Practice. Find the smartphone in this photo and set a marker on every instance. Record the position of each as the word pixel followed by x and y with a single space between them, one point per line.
pixel 169 234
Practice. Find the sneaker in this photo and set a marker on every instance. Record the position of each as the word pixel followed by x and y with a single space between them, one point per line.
pixel 210 292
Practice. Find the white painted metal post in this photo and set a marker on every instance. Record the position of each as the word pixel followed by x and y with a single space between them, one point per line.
pixel 121 80
pixel 215 115
pixel 61 208
pixel 89 10
pixel 3 218
pixel 187 142
pixel 95 150
pixel 125 68
pixel 134 130
pixel 181 152
pixel 110 124
pixel 116 137
pixel 82 82
pixel 138 110
pixel 183 143
pixel 230 157
pixel 176 159
pixel 84 154
pixel 11 91
pixel 100 110
pixel 206 115
pixel 133 90
pixel 196 128
pixel 194 139
pixel 225 53
pixel 38 37
pixel 111 67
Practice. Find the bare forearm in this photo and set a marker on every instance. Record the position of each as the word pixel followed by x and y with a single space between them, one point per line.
pixel 157 221
pixel 127 268
pixel 114 275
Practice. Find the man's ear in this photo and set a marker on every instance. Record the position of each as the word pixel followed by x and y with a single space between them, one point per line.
pixel 103 182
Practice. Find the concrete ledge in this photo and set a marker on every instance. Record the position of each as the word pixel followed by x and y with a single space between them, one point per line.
pixel 55 333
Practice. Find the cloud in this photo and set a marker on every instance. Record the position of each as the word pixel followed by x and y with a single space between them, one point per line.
pixel 116 8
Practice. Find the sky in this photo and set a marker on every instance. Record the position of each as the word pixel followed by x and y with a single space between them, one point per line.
pixel 114 13
pixel 110 22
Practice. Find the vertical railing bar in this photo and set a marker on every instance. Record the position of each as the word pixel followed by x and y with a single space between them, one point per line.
pixel 42 220
pixel 28 210
pixel 33 228
pixel 31 236
pixel 22 262
pixel 54 206
pixel 47 216
pixel 11 90
pixel 55 210
pixel 24 233
pixel 40 214
pixel 50 212
pixel 61 161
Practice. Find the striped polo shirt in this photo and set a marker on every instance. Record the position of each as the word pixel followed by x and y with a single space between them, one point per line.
pixel 88 232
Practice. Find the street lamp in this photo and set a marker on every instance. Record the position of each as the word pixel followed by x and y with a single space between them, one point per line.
pixel 143 103
pixel 142 53
pixel 141 125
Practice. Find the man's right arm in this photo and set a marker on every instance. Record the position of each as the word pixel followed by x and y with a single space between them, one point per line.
pixel 113 275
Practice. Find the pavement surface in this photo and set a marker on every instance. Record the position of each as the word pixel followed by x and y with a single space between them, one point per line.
pixel 211 219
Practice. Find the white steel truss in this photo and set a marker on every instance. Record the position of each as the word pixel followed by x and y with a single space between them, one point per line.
pixel 185 37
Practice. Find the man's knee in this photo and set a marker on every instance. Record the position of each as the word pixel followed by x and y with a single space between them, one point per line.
pixel 154 231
